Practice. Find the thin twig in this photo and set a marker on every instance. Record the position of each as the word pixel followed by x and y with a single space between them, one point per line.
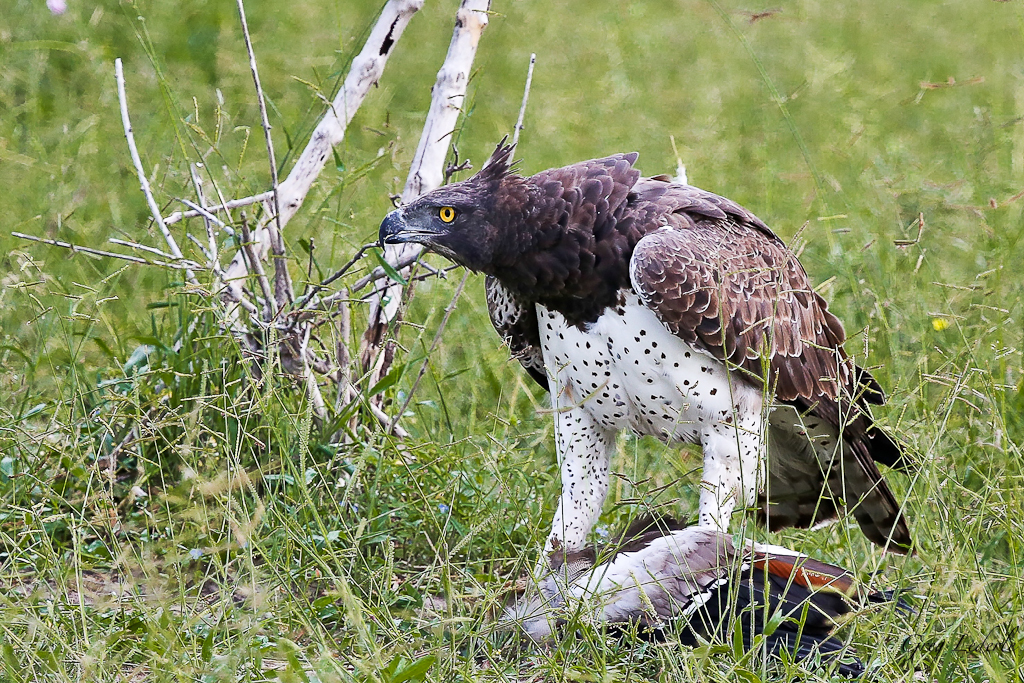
pixel 343 295
pixel 456 166
pixel 441 273
pixel 282 280
pixel 154 208
pixel 141 247
pixel 197 183
pixel 205 213
pixel 393 428
pixel 379 273
pixel 312 261
pixel 312 388
pixel 341 354
pixel 257 268
pixel 433 346
pixel 185 265
pixel 337 274
pixel 226 206
pixel 526 97
pixel 202 248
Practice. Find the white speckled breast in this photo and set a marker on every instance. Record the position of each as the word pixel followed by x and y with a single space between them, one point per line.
pixel 627 370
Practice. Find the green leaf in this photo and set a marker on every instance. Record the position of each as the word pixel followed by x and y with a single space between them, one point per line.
pixel 393 666
pixel 415 672
pixel 34 410
pixel 207 652
pixel 291 652
pixel 390 269
pixel 773 623
pixel 15 350
pixel 746 675
pixel 737 639
pixel 104 347
pixel 388 380
pixel 139 358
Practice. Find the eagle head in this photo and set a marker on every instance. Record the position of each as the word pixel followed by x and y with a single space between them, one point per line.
pixel 461 221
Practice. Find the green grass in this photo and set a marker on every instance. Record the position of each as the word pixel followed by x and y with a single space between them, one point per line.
pixel 235 541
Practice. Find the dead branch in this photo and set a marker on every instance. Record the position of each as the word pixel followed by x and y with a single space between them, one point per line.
pixel 428 164
pixel 154 208
pixel 217 208
pixel 282 280
pixel 141 247
pixel 526 97
pixel 294 325
pixel 366 70
pixel 256 267
pixel 312 387
pixel 184 264
pixel 197 183
pixel 337 274
pixel 379 273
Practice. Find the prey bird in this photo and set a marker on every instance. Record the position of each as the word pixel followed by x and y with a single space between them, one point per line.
pixel 649 305
pixel 661 579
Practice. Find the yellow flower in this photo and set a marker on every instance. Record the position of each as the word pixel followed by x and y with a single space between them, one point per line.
pixel 939 324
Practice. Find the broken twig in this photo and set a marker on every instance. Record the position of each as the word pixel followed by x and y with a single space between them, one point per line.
pixel 154 208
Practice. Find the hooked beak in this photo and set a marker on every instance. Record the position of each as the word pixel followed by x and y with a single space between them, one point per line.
pixel 391 228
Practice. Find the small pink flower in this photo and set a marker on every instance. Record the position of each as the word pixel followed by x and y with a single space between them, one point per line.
pixel 57 6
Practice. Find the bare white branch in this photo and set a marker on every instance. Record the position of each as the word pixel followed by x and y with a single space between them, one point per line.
pixel 226 206
pixel 282 280
pixel 526 98
pixel 154 208
pixel 366 70
pixel 197 184
pixel 184 265
pixel 141 247
pixel 312 388
pixel 385 420
pixel 427 169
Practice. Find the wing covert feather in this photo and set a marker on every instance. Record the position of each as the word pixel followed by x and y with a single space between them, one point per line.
pixel 743 296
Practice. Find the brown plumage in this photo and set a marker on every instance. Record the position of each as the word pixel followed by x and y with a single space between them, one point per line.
pixel 577 257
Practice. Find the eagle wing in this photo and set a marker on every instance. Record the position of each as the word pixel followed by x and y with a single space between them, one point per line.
pixel 516 324
pixel 717 277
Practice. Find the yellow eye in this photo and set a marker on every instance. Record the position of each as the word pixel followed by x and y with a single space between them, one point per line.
pixel 446 214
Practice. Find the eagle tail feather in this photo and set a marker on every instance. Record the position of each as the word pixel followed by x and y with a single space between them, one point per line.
pixel 871 501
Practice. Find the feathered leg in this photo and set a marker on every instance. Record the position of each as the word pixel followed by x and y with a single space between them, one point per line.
pixel 733 462
pixel 584 450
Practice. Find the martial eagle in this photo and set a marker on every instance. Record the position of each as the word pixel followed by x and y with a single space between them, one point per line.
pixel 649 305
